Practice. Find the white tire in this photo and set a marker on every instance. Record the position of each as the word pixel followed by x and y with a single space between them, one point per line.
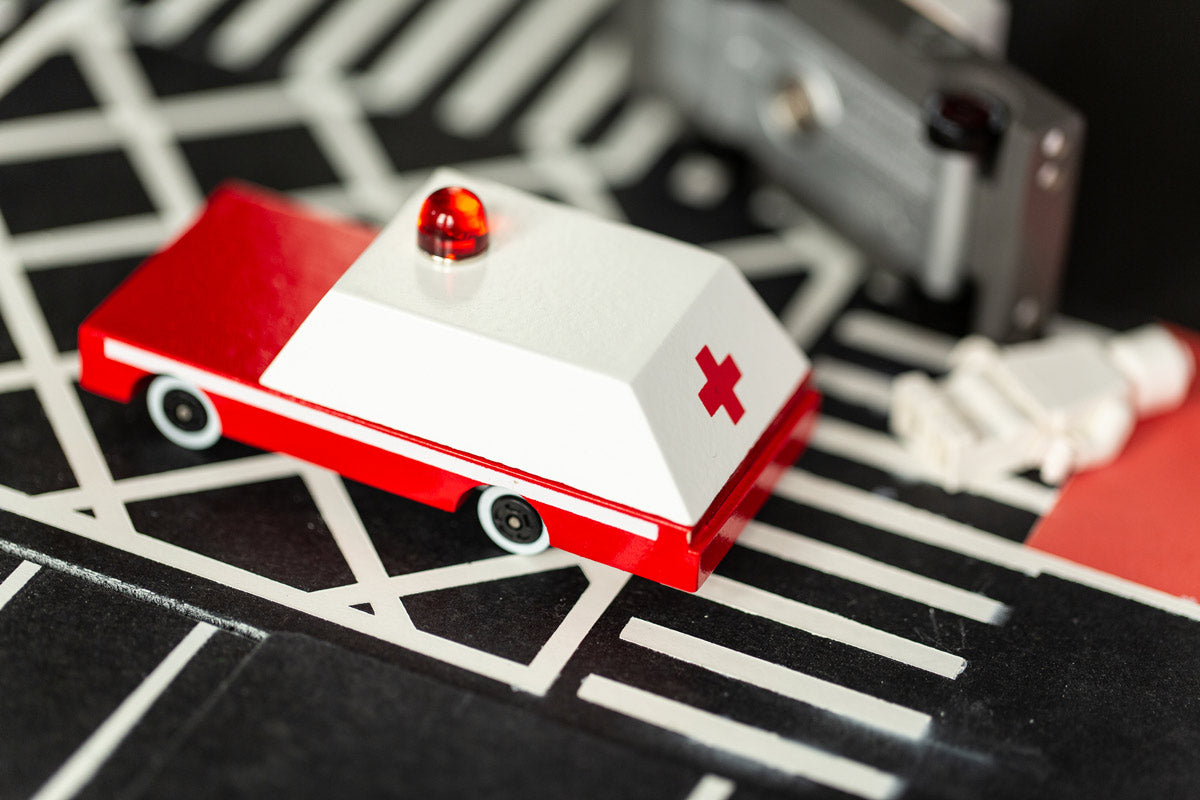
pixel 182 413
pixel 511 522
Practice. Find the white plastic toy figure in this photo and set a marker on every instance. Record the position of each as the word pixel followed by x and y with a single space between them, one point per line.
pixel 1060 404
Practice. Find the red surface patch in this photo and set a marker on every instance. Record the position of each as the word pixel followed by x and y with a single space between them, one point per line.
pixel 232 289
pixel 1138 518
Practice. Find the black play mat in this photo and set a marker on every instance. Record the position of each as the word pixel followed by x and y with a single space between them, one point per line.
pixel 179 624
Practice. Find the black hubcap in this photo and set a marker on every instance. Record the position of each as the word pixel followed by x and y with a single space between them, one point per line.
pixel 516 520
pixel 184 410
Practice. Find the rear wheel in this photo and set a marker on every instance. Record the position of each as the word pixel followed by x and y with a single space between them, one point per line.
pixel 511 522
pixel 182 413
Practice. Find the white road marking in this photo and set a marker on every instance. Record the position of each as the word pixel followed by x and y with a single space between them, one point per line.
pixel 713 787
pixel 352 540
pixel 121 237
pixel 891 338
pixel 899 518
pixel 354 151
pixel 862 708
pixel 168 22
pixel 49 31
pixel 853 384
pixel 498 77
pixel 14 376
pixel 637 139
pixel 827 625
pixel 468 573
pixel 15 581
pixel 860 569
pixel 83 765
pixel 56 135
pixel 344 34
pixel 591 82
pixel 439 36
pixel 745 741
pixel 35 344
pixel 836 272
pixel 255 29
pixel 881 451
pixel 114 75
pixel 189 480
pixel 924 526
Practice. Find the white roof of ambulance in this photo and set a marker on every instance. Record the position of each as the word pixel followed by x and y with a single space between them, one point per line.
pixel 567 351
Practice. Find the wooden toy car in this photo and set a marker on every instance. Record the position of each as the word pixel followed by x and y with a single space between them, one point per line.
pixel 585 384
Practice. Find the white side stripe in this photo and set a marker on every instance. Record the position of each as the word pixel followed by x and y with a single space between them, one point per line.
pixel 223 387
pixel 862 708
pixel 82 766
pixel 746 741
pixel 833 560
pixel 827 625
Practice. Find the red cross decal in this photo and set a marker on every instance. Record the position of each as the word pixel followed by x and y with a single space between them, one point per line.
pixel 718 388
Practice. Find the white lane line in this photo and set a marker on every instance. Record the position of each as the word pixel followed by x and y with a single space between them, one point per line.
pixel 904 520
pixel 881 451
pixel 836 272
pixel 189 480
pixel 827 625
pixel 923 526
pixel 760 256
pixel 82 766
pixel 637 139
pixel 344 34
pixel 517 675
pixel 467 574
pixel 505 71
pixel 56 135
pixel 236 109
pixel 13 376
pixel 355 544
pixel 168 22
pixel 851 566
pixel 46 34
pixel 336 120
pixel 93 241
pixel 10 14
pixel 16 580
pixel 255 29
pixel 862 708
pixel 891 338
pixel 746 741
pixel 712 787
pixel 105 57
pixel 31 335
pixel 588 85
pixel 439 36
pixel 853 384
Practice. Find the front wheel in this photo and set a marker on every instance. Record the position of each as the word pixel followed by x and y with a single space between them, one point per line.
pixel 182 413
pixel 511 522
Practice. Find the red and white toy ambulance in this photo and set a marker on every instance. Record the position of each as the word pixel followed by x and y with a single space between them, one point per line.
pixel 585 384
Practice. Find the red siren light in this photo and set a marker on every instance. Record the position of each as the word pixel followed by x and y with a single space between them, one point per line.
pixel 452 224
